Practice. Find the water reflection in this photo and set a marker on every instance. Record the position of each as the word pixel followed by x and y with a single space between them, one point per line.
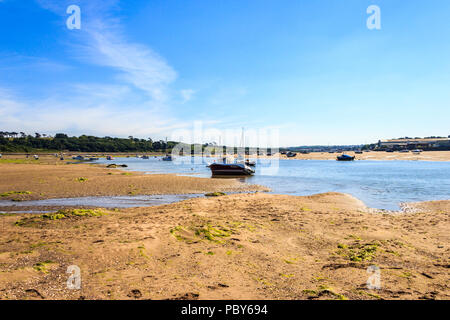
pixel 380 184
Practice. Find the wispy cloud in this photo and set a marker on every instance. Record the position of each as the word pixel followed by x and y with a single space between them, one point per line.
pixel 101 41
pixel 13 61
pixel 139 66
pixel 134 102
pixel 137 101
pixel 98 110
pixel 8 105
pixel 187 94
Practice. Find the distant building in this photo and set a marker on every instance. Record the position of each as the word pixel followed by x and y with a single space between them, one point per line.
pixel 425 144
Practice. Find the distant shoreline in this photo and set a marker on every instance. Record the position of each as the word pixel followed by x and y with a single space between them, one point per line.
pixel 373 155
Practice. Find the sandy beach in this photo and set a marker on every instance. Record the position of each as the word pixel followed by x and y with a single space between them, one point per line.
pixel 373 155
pixel 243 246
pixel 236 246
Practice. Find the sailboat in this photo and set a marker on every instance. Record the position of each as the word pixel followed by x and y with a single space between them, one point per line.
pixel 237 168
pixel 345 157
pixel 230 169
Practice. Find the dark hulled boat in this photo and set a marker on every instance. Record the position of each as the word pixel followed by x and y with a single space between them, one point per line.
pixel 345 157
pixel 291 154
pixel 234 169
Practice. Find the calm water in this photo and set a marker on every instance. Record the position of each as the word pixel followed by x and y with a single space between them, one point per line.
pixel 101 202
pixel 380 184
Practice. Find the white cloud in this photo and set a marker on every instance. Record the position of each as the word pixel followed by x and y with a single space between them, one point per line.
pixel 101 41
pixel 139 66
pixel 187 94
pixel 8 105
pixel 97 110
pixel 11 62
pixel 134 102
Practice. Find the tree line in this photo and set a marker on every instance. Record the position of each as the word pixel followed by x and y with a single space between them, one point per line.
pixel 21 142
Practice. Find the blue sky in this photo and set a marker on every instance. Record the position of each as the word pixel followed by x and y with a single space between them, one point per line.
pixel 310 69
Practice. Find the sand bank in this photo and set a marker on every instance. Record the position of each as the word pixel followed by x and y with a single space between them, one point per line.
pixel 242 246
pixel 33 181
pixel 424 156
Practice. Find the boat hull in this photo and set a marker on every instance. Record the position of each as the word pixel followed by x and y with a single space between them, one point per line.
pixel 230 170
pixel 347 158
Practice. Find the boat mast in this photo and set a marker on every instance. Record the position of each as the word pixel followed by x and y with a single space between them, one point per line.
pixel 241 149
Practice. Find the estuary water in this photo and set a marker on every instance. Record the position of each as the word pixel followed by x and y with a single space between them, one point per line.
pixel 379 184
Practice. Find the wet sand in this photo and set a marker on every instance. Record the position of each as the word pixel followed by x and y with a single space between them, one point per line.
pixel 43 180
pixel 242 246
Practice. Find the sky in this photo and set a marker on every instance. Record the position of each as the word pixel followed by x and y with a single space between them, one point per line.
pixel 303 72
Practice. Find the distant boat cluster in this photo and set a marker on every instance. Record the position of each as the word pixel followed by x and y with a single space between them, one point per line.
pixel 239 166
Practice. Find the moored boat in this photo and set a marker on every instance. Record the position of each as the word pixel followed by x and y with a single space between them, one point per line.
pixel 290 154
pixel 345 157
pixel 233 169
